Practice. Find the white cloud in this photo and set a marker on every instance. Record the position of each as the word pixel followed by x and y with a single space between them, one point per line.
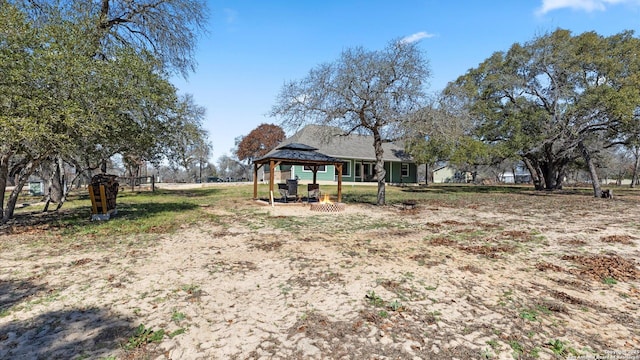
pixel 584 5
pixel 416 37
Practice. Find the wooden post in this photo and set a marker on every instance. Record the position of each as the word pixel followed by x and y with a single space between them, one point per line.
pixel 255 181
pixel 103 199
pixel 272 165
pixel 339 167
pixel 94 207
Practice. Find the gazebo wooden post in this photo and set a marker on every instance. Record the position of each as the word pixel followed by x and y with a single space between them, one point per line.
pixel 272 165
pixel 255 181
pixel 339 167
pixel 314 169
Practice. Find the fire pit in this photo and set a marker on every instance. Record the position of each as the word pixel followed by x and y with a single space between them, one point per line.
pixel 326 205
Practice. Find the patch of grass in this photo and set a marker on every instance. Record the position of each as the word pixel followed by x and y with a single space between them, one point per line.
pixel 561 348
pixel 395 305
pixel 287 223
pixel 190 288
pixel 285 289
pixel 159 299
pixel 143 336
pixel 557 346
pixel 434 316
pixel 529 314
pixel 506 297
pixel 517 348
pixel 609 280
pixel 494 344
pixel 374 299
pixel 535 352
pixel 177 332
pixel 177 316
pixel 52 296
pixel 486 354
pixel 162 211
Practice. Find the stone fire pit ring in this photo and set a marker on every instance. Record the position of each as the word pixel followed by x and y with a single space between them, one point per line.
pixel 328 207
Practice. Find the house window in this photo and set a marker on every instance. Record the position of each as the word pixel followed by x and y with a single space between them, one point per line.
pixel 321 168
pixel 405 170
pixel 345 169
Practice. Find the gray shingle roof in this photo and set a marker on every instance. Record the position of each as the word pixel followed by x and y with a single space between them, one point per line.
pixel 296 153
pixel 332 141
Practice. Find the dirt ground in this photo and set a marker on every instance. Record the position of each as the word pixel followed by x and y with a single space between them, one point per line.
pixel 516 276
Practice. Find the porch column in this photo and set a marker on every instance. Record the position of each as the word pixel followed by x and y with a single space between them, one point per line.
pixel 339 167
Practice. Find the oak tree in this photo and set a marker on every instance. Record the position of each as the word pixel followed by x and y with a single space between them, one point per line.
pixel 259 141
pixel 76 92
pixel 555 99
pixel 363 91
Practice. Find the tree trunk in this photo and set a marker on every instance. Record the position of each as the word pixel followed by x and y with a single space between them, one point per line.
pixel 549 176
pixel 13 197
pixel 66 188
pixel 426 174
pixel 535 174
pixel 380 172
pixel 636 165
pixel 56 182
pixel 560 173
pixel 4 176
pixel 553 174
pixel 597 191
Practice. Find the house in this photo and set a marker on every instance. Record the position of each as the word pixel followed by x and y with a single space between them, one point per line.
pixel 356 151
pixel 519 177
pixel 444 173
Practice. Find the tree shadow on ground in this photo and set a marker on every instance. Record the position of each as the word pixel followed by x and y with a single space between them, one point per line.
pixel 147 210
pixel 81 216
pixel 176 192
pixel 60 334
pixel 12 292
pixel 483 189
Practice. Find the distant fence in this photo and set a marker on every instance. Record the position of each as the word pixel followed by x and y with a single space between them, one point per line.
pixel 139 182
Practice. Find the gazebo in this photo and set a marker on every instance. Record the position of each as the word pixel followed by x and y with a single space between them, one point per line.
pixel 295 154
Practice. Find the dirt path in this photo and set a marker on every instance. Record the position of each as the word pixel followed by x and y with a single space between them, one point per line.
pixel 484 281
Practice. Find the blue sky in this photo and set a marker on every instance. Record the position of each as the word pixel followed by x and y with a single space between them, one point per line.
pixel 253 46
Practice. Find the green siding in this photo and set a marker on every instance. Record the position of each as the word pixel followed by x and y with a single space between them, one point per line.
pixel 307 175
pixel 394 172
pixel 394 175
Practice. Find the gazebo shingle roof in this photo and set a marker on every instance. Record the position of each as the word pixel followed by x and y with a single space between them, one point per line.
pixel 296 153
